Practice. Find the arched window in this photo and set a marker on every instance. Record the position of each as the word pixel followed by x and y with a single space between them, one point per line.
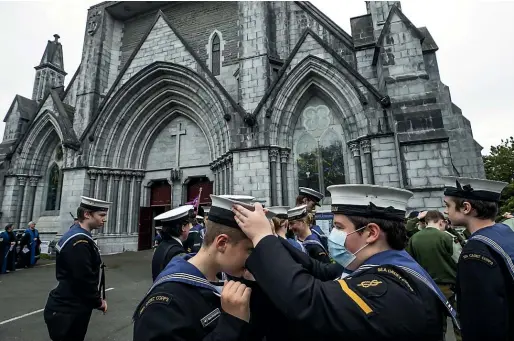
pixel 216 55
pixel 319 149
pixel 53 195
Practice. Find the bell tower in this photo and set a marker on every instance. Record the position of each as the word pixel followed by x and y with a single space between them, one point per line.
pixel 50 71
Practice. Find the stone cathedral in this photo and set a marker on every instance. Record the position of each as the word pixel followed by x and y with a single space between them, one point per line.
pixel 256 98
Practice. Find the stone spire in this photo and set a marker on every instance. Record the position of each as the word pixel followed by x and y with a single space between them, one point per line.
pixel 50 71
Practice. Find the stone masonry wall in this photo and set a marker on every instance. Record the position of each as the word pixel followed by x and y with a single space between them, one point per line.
pixel 385 165
pixel 75 184
pixel 251 174
pixel 10 199
pixel 425 164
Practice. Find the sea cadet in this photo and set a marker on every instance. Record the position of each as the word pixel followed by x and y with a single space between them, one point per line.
pixel 186 302
pixel 80 273
pixel 388 296
pixel 485 272
pixel 176 224
pixel 299 221
pixel 312 198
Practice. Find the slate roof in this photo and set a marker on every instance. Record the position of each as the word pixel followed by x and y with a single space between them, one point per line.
pixel 428 44
pixel 53 55
pixel 27 108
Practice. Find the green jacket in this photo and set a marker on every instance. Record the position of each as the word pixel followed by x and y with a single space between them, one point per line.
pixel 433 250
pixel 412 227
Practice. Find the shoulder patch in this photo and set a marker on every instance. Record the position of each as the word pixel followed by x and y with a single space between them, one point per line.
pixel 80 241
pixel 478 257
pixel 370 285
pixel 395 274
pixel 158 298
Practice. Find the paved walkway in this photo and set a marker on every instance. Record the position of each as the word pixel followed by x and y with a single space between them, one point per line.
pixel 128 276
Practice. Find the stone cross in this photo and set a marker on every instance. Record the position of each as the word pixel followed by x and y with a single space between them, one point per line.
pixel 177 133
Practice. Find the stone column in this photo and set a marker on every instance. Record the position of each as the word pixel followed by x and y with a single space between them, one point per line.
pixel 284 156
pixel 102 191
pixel 273 157
pixel 113 214
pixel 223 172
pixel 92 181
pixel 124 204
pixel 32 196
pixel 230 180
pixel 136 200
pixel 22 181
pixel 356 154
pixel 368 158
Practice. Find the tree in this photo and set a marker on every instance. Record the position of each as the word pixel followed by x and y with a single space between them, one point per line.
pixel 499 166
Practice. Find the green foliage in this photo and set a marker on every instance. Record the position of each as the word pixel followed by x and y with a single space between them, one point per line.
pixel 499 166
pixel 332 163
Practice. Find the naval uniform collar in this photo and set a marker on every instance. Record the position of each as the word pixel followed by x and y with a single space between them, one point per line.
pixel 178 240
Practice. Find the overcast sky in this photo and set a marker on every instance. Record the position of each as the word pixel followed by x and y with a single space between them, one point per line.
pixel 475 39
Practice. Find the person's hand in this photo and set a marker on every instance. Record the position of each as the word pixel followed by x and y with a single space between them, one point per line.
pixel 235 300
pixel 508 215
pixel 422 215
pixel 253 223
pixel 103 307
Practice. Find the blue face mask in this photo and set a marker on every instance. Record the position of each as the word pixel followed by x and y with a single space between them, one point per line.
pixel 336 247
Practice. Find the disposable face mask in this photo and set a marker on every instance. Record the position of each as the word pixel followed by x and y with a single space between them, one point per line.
pixel 337 249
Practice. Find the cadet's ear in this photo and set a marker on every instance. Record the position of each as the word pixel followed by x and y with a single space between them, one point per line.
pixel 221 242
pixel 374 232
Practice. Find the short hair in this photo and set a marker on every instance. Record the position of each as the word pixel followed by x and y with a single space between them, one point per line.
pixel 174 228
pixel 484 209
pixel 212 230
pixel 395 232
pixel 81 213
pixel 300 198
pixel 434 216
pixel 31 222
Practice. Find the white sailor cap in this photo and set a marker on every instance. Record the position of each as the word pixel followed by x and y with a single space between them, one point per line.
pixel 473 189
pixel 221 210
pixel 175 214
pixel 94 205
pixel 158 228
pixel 370 201
pixel 247 199
pixel 297 213
pixel 312 194
pixel 280 211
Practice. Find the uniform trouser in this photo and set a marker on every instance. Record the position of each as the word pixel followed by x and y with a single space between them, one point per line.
pixel 447 291
pixel 67 326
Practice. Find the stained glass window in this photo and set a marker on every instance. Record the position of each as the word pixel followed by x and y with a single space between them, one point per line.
pixel 216 51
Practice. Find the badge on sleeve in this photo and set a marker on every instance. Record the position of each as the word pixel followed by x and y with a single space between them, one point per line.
pixel 370 285
pixel 158 298
pixel 478 257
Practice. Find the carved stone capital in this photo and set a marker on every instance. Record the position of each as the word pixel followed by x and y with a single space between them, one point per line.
pixel 106 174
pixel 34 181
pixel 284 156
pixel 213 166
pixel 93 23
pixel 117 175
pixel 366 146
pixel 230 158
pixel 128 176
pixel 92 174
pixel 355 149
pixel 22 180
pixel 273 155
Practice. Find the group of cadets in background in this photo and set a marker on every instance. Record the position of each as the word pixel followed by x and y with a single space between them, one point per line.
pixel 19 250
pixel 254 273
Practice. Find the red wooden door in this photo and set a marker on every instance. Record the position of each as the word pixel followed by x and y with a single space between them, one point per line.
pixel 194 188
pixel 144 241
pixel 161 194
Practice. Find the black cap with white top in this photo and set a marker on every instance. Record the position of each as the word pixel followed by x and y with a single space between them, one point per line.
pixel 221 209
pixel 94 205
pixel 297 213
pixel 175 214
pixel 473 189
pixel 280 211
pixel 370 201
pixel 311 194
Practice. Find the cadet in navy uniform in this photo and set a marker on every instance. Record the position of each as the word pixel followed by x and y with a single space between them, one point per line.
pixel 280 225
pixel 196 234
pixel 299 221
pixel 186 301
pixel 176 224
pixel 388 296
pixel 79 271
pixel 312 198
pixel 485 272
